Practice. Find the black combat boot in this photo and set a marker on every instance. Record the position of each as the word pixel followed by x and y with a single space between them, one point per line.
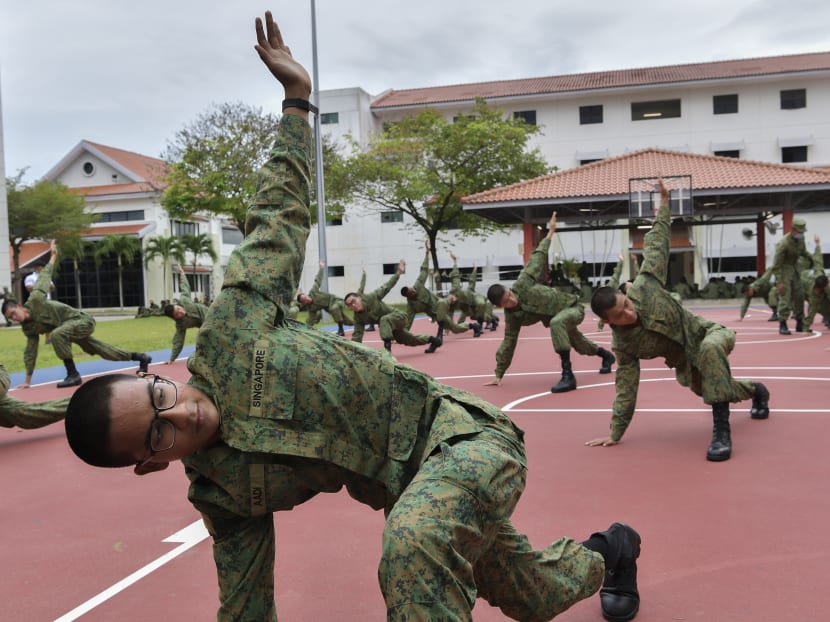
pixel 608 359
pixel 387 343
pixel 340 330
pixel 477 330
pixel 494 323
pixel 143 360
pixel 568 380
pixel 721 447
pixel 782 328
pixel 434 344
pixel 73 378
pixel 370 328
pixel 773 317
pixel 799 325
pixel 620 548
pixel 760 402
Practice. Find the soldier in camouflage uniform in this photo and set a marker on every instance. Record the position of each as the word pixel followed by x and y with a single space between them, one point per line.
pixel 28 415
pixel 370 309
pixel 787 275
pixel 763 287
pixel 420 300
pixel 187 314
pixel 316 301
pixel 648 322
pixel 815 282
pixel 467 301
pixel 67 325
pixel 277 412
pixel 531 301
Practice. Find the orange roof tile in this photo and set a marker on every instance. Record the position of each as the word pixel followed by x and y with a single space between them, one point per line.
pixel 720 70
pixel 611 177
pixel 145 167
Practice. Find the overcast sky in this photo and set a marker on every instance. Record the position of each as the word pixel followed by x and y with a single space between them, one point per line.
pixel 129 75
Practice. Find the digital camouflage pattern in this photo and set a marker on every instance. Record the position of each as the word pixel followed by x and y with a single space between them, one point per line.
pixel 393 323
pixel 561 312
pixel 786 272
pixel 67 324
pixel 14 412
pixel 468 302
pixel 428 303
pixel 688 343
pixel 305 412
pixel 763 287
pixel 324 301
pixel 194 317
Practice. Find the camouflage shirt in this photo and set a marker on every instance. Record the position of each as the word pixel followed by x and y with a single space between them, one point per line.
pixel 373 308
pixel 194 316
pixel 302 411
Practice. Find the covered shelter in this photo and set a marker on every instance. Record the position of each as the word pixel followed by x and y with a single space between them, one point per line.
pixel 602 195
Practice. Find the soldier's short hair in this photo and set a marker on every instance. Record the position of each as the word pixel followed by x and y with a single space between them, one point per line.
pixel 604 298
pixel 821 281
pixel 495 293
pixel 168 310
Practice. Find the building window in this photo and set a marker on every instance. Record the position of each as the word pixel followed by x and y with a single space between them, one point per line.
pixel 395 216
pixel 529 116
pixel 133 214
pixel 231 235
pixel 724 104
pixel 509 273
pixel 88 168
pixel 329 118
pixel 336 271
pixel 790 155
pixel 729 153
pixel 180 228
pixel 588 161
pixel 663 109
pixel 793 99
pixel 390 268
pixel 590 114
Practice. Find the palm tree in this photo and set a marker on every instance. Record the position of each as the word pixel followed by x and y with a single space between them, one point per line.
pixel 125 248
pixel 75 248
pixel 166 248
pixel 198 244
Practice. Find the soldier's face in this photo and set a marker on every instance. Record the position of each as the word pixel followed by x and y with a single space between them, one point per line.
pixel 509 300
pixel 194 417
pixel 18 313
pixel 355 303
pixel 178 312
pixel 623 313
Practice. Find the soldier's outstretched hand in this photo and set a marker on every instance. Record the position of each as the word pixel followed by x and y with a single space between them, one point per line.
pixel 605 441
pixel 277 57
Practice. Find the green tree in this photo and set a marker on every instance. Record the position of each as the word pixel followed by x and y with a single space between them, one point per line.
pixel 43 211
pixel 125 248
pixel 198 245
pixel 214 161
pixel 423 165
pixel 75 249
pixel 166 248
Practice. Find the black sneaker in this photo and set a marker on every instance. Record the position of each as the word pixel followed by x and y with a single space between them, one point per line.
pixel 144 361
pixel 619 598
pixel 71 380
pixel 760 402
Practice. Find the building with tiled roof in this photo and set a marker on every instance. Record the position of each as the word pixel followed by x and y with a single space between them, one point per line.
pixel 763 112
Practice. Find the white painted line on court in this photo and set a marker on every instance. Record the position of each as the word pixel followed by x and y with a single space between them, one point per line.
pixel 189 537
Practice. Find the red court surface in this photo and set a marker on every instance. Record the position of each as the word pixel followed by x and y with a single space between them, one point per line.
pixel 742 540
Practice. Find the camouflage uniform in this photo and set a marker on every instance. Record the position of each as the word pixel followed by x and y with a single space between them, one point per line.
pixel 446 467
pixel 560 311
pixel 194 317
pixel 438 309
pixel 816 302
pixel 393 323
pixel 14 412
pixel 764 288
pixel 785 270
pixel 469 303
pixel 324 301
pixel 67 325
pixel 687 342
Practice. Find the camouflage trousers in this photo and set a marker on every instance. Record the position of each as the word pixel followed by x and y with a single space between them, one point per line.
pixel 449 539
pixel 716 384
pixel 791 300
pixel 393 326
pixel 443 315
pixel 336 310
pixel 565 334
pixel 80 331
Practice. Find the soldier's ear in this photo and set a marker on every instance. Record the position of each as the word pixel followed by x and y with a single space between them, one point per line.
pixel 150 467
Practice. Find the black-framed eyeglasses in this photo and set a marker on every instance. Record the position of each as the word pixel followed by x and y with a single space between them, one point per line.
pixel 161 434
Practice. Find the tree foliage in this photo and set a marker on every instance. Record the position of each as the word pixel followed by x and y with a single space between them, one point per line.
pixel 423 165
pixel 43 211
pixel 125 248
pixel 214 162
pixel 165 248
